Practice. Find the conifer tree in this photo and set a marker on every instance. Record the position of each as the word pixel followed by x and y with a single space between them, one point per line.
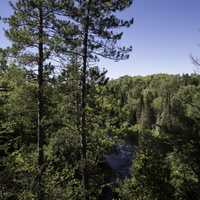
pixel 34 33
pixel 97 26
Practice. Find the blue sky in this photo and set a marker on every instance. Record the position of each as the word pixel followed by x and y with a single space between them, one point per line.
pixel 164 35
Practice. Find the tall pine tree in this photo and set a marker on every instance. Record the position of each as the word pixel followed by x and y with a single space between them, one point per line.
pixel 97 25
pixel 34 30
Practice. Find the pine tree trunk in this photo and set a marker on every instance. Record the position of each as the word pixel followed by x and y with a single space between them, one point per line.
pixel 40 131
pixel 83 106
pixel 83 119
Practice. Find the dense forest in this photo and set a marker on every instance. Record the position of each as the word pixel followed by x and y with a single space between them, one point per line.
pixel 68 132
